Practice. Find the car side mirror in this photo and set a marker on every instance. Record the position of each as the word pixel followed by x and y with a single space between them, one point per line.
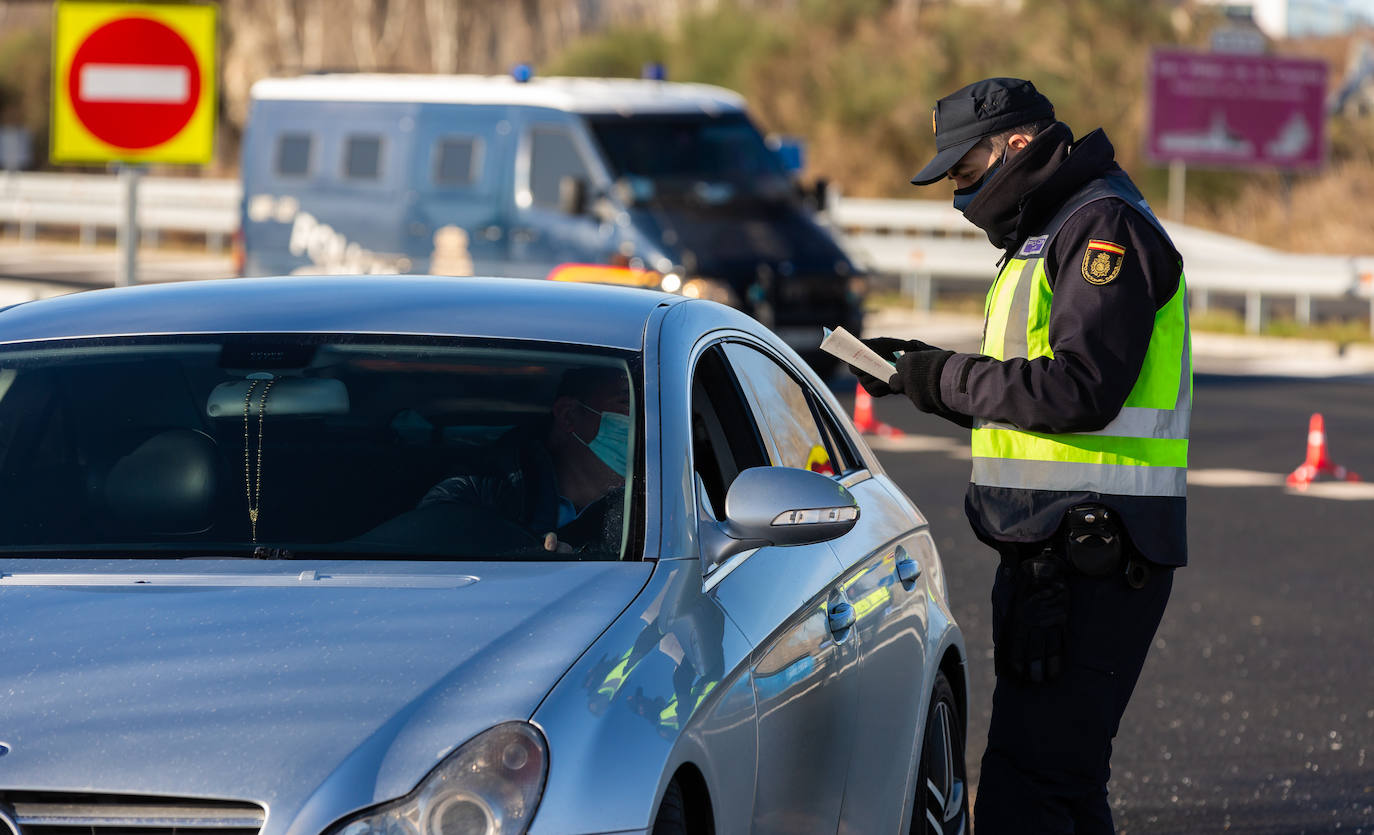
pixel 777 506
pixel 572 195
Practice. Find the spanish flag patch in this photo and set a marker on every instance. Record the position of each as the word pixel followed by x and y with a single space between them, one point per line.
pixel 1102 261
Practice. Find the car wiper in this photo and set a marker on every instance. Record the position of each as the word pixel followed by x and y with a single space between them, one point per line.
pixel 116 552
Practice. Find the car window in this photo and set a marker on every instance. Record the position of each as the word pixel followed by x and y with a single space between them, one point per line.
pixel 457 161
pixel 363 157
pixel 725 439
pixel 846 457
pixel 783 411
pixel 553 156
pixel 293 155
pixel 348 447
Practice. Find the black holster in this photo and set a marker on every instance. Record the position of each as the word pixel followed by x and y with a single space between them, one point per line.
pixel 1033 637
pixel 1094 544
pixel 1093 540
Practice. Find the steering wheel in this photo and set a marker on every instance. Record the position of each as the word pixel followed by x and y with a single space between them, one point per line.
pixel 454 529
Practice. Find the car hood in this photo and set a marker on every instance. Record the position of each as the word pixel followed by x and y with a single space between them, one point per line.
pixel 312 688
pixel 735 241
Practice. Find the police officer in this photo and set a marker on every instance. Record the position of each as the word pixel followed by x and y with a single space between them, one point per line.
pixel 1079 402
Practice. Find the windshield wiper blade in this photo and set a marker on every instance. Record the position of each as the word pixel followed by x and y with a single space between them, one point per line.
pixel 123 553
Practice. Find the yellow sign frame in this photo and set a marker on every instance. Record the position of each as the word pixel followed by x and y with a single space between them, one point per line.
pixel 73 23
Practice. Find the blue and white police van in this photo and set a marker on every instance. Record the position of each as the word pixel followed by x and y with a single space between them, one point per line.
pixel 457 175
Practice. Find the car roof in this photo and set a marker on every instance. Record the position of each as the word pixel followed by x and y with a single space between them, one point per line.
pixel 534 309
pixel 577 95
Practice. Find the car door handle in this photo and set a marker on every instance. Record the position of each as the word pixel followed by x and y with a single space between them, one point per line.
pixel 908 570
pixel 524 236
pixel 841 617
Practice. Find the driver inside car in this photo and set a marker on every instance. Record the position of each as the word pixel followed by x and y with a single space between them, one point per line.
pixel 562 480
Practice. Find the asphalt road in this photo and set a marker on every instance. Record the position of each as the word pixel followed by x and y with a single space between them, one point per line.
pixel 1255 712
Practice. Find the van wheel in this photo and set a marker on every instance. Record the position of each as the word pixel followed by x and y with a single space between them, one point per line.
pixel 941 806
pixel 672 812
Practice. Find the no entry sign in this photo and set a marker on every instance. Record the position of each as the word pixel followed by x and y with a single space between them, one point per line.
pixel 133 82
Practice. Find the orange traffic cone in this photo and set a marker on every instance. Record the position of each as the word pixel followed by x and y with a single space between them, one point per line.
pixel 1318 462
pixel 863 411
pixel 865 422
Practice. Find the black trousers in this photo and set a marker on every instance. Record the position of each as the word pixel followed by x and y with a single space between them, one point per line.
pixel 1046 766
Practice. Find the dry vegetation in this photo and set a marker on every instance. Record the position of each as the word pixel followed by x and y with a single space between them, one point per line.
pixel 856 78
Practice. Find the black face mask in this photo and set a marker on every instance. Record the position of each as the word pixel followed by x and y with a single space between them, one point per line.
pixel 997 207
pixel 964 196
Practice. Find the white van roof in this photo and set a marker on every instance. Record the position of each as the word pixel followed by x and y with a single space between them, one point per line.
pixel 577 95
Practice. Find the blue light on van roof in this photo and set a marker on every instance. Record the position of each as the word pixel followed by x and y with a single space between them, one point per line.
pixel 655 71
pixel 522 73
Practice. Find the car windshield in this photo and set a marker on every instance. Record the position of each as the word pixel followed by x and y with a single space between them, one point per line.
pixel 713 159
pixel 299 446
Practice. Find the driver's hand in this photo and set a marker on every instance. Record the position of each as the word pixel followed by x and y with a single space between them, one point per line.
pixel 551 543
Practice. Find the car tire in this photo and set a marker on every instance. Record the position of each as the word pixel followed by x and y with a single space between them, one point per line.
pixel 672 812
pixel 941 804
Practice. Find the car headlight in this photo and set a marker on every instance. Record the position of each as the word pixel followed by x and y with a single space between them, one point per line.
pixel 489 786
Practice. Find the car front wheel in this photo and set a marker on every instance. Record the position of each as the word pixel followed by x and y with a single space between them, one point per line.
pixel 672 814
pixel 941 806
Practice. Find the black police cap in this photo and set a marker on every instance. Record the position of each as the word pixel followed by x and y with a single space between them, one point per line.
pixel 981 109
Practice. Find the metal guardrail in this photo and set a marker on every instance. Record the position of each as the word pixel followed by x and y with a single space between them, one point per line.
pixel 90 202
pixel 922 241
pixel 926 242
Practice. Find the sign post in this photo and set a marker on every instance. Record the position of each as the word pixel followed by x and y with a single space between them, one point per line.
pixel 126 235
pixel 133 83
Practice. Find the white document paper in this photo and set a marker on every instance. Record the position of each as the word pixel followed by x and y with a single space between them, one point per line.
pixel 844 345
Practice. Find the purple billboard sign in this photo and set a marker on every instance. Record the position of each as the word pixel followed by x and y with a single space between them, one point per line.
pixel 1219 109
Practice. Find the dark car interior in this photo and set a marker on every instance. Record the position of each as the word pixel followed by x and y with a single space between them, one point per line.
pixel 162 443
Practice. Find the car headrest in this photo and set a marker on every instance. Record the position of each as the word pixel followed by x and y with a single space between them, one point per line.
pixel 165 484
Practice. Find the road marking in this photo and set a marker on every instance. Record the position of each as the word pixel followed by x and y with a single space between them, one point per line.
pixel 914 443
pixel 1345 491
pixel 1234 478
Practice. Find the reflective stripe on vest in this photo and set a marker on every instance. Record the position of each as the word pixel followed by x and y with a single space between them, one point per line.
pixel 1143 451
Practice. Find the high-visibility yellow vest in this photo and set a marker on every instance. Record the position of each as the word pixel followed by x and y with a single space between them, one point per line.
pixel 1144 450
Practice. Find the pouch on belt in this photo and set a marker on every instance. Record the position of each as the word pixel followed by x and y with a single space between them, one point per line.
pixel 1093 543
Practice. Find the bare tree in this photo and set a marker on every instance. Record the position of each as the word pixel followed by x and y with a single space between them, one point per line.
pixel 378 26
pixel 441 22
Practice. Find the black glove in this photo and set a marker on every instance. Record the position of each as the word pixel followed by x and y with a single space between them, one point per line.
pixel 918 377
pixel 885 347
pixel 1034 639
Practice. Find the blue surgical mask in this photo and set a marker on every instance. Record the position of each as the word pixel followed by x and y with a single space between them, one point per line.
pixel 612 440
pixel 964 196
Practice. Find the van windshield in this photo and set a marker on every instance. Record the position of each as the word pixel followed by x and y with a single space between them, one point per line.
pixel 288 446
pixel 713 159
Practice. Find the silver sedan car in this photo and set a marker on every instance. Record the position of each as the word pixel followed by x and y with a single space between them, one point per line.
pixel 433 556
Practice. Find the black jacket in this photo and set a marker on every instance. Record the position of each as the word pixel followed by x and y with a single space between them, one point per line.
pixel 514 478
pixel 1099 334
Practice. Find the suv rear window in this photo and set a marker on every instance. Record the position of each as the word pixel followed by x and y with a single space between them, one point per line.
pixel 344 447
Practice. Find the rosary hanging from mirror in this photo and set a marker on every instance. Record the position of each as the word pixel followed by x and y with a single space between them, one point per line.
pixel 252 477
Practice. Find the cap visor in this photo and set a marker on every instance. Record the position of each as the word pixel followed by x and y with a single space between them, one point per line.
pixel 938 167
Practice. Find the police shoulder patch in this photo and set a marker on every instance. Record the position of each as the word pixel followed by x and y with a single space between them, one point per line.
pixel 1102 261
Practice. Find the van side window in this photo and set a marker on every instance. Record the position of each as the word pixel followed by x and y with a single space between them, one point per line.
pixel 553 156
pixel 293 154
pixel 363 158
pixel 456 161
